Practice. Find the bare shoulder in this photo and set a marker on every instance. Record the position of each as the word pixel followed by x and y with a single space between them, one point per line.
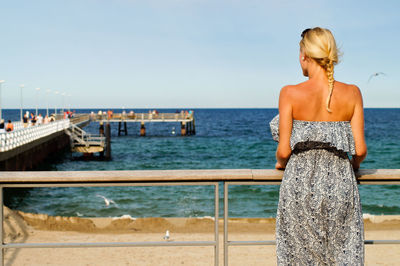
pixel 287 89
pixel 351 88
pixel 290 91
pixel 348 90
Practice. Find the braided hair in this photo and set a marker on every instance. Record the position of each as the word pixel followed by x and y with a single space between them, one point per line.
pixel 319 44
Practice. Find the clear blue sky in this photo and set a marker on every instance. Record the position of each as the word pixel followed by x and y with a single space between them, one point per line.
pixel 176 53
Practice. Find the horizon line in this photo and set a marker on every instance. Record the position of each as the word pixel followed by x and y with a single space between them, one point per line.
pixel 87 108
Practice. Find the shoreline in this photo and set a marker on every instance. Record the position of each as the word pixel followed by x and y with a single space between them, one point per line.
pixel 20 227
pixel 160 224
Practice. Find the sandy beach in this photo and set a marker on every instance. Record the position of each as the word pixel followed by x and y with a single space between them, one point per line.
pixel 22 227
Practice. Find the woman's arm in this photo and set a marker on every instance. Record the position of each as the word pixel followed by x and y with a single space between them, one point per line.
pixel 357 126
pixel 284 151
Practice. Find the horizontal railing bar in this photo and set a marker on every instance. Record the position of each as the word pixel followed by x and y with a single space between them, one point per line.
pixel 250 183
pixel 110 244
pixel 128 176
pixel 251 243
pixel 273 242
pixel 379 182
pixel 385 242
pixel 111 184
pixel 372 176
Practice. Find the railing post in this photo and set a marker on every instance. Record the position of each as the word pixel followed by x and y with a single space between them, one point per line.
pixel 225 224
pixel 216 229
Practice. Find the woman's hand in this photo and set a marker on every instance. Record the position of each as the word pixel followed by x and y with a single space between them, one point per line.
pixel 279 166
pixel 355 162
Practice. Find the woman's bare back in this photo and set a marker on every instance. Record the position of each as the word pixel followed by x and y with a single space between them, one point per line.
pixel 309 101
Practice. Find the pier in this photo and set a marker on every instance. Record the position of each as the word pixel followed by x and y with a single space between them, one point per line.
pixel 186 121
pixel 25 147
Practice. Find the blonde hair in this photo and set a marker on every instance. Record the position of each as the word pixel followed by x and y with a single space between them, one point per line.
pixel 320 45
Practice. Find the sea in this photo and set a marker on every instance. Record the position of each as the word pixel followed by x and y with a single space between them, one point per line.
pixel 225 139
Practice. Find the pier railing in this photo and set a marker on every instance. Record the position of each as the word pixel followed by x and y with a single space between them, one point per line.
pixel 144 117
pixel 20 135
pixel 79 137
pixel 169 178
pixel 78 119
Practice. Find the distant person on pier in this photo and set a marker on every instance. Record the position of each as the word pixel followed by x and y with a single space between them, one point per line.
pixel 25 120
pixel 52 118
pixel 40 119
pixel 33 119
pixel 154 113
pixel 9 126
pixel 109 114
pixel 101 129
pixel 46 120
pixel 2 129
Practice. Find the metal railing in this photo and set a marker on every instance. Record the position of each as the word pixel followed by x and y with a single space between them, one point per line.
pixel 79 137
pixel 168 178
pixel 20 135
pixel 143 117
pixel 79 119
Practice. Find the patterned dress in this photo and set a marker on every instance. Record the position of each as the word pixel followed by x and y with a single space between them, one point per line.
pixel 319 218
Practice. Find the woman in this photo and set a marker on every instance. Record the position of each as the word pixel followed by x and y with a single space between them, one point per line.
pixel 319 218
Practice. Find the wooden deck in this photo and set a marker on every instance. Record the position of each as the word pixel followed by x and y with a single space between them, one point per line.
pixel 90 149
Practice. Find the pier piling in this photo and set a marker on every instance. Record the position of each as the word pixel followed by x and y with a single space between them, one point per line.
pixel 108 142
pixel 142 129
pixel 183 129
pixel 124 129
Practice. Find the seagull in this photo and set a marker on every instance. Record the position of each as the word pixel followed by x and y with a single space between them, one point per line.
pixel 166 237
pixel 79 214
pixel 375 75
pixel 107 201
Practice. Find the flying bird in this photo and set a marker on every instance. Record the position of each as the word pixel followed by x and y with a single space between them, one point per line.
pixel 107 201
pixel 375 75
